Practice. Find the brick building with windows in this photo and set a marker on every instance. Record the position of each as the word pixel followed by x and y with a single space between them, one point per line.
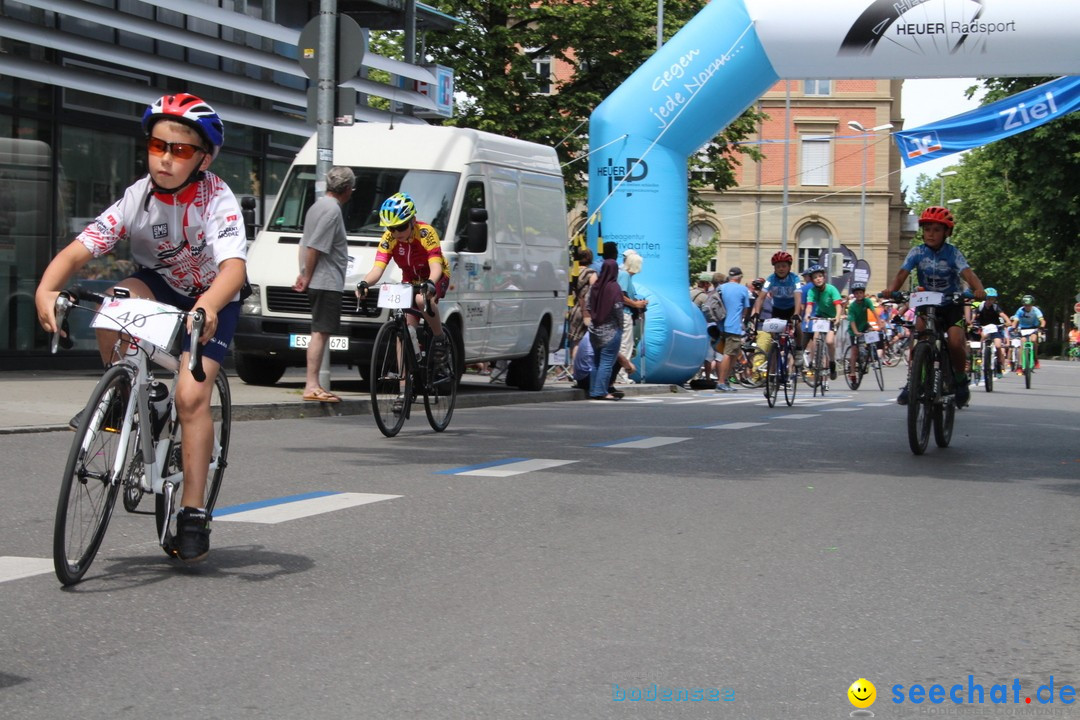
pixel 824 171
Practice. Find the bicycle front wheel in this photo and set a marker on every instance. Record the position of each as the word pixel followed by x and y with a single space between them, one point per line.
pixel 819 366
pixel 790 378
pixel 440 387
pixel 772 376
pixel 879 373
pixel 1029 366
pixel 989 369
pixel 89 488
pixel 920 398
pixel 852 375
pixel 390 379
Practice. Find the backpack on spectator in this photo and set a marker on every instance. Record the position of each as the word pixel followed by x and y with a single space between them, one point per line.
pixel 714 309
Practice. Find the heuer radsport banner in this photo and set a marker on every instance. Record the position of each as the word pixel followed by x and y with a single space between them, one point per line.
pixel 984 125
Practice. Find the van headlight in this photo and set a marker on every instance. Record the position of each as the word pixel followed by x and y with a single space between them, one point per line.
pixel 252 305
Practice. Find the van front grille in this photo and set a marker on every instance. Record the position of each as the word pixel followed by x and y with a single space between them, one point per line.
pixel 287 300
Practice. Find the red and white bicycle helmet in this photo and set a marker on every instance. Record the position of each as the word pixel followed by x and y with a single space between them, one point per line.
pixel 782 257
pixel 191 111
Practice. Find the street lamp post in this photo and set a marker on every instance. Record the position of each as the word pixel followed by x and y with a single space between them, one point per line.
pixel 857 127
pixel 942 175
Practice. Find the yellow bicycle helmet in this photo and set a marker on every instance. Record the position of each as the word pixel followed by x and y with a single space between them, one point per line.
pixel 397 209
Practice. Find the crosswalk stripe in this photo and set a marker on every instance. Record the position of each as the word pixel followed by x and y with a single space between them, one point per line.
pixel 795 416
pixel 15 568
pixel 879 404
pixel 643 442
pixel 854 409
pixel 732 426
pixel 515 466
pixel 271 512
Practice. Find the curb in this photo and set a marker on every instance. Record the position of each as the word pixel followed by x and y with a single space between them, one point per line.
pixel 303 410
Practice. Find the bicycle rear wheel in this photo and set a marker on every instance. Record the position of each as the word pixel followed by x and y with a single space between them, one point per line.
pixel 772 376
pixel 944 413
pixel 390 379
pixel 89 488
pixel 440 386
pixel 920 399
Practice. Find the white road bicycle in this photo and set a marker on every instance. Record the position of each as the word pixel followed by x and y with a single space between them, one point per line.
pixel 129 440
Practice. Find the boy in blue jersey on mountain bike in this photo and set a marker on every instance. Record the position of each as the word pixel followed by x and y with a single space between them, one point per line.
pixel 941 266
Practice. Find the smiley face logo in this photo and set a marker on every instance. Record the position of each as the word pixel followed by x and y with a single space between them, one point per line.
pixel 862 693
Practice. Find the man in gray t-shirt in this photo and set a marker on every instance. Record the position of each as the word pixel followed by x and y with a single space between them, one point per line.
pixel 324 258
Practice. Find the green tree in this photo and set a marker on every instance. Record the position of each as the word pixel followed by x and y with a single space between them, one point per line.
pixel 493 56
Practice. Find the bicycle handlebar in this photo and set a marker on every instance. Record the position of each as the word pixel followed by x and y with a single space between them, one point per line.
pixel 69 298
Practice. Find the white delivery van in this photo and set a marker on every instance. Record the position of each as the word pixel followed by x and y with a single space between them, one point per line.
pixel 498 206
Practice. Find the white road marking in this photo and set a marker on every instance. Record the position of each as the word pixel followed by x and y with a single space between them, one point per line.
pixel 15 568
pixel 734 426
pixel 515 468
pixel 795 416
pixel 293 510
pixel 649 442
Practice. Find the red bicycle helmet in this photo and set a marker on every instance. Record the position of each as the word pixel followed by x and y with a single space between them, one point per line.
pixel 782 257
pixel 936 214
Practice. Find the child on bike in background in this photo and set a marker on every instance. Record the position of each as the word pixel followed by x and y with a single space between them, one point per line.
pixel 1028 317
pixel 941 266
pixel 823 301
pixel 862 317
pixel 417 250
pixel 188 241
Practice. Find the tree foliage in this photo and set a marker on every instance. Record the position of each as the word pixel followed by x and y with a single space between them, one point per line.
pixel 1019 222
pixel 493 57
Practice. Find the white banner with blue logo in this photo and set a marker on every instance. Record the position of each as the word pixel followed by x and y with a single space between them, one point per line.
pixel 990 123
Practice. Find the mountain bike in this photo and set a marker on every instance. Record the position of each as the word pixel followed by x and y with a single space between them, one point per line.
pixel 780 369
pixel 990 365
pixel 402 366
pixel 866 359
pixel 1027 354
pixel 931 391
pixel 128 439
pixel 818 356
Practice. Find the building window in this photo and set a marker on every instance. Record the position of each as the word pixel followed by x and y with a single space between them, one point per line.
pixel 701 234
pixel 542 74
pixel 816 158
pixel 813 242
pixel 817 87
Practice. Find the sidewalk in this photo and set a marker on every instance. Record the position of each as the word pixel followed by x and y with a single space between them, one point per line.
pixel 32 401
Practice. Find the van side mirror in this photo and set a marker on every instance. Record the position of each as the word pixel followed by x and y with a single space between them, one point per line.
pixel 474 239
pixel 247 210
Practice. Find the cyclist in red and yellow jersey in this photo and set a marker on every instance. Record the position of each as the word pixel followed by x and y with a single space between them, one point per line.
pixel 416 249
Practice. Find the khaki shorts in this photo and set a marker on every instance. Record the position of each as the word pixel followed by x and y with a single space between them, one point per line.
pixel 729 344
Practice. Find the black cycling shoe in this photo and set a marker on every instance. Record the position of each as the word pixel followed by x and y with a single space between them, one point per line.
pixel 75 421
pixel 438 350
pixel 832 371
pixel 192 534
pixel 902 398
pixel 963 394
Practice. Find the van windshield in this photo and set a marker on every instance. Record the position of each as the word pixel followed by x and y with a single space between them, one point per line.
pixel 432 191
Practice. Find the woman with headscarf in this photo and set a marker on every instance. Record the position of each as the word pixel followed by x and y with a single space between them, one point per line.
pixel 603 317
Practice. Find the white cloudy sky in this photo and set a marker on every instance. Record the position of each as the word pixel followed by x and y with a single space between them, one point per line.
pixel 925 101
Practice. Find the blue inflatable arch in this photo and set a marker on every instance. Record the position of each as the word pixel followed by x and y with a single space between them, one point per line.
pixel 730 54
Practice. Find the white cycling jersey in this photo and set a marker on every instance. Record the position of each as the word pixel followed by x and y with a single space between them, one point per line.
pixel 182 237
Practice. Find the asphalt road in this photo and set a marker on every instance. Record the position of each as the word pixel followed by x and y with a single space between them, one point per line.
pixel 768 557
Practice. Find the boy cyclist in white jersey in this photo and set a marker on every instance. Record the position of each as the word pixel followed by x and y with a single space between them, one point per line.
pixel 187 239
